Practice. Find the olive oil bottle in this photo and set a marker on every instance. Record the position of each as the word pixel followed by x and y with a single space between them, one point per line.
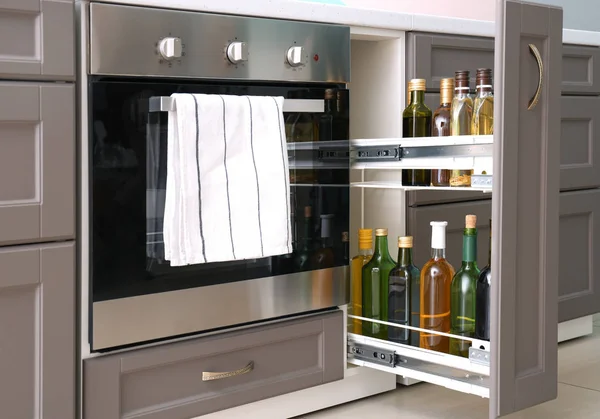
pixel 416 122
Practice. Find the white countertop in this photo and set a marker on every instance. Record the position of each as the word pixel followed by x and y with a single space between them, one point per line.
pixel 345 15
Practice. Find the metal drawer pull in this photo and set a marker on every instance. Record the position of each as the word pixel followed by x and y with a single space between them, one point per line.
pixel 536 97
pixel 209 376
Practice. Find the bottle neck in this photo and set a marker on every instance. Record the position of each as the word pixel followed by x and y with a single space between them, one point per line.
pixel 366 252
pixel 484 90
pixel 417 96
pixel 438 253
pixel 328 105
pixel 405 256
pixel 381 245
pixel 470 245
pixel 308 226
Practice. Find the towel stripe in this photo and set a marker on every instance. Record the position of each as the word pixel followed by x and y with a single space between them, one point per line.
pixel 283 144
pixel 227 176
pixel 262 252
pixel 198 173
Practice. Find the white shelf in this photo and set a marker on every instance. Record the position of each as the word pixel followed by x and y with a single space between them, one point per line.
pixel 391 184
pixel 424 141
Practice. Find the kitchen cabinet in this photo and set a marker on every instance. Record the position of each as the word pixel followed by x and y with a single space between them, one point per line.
pixel 37 331
pixel 581 70
pixel 578 283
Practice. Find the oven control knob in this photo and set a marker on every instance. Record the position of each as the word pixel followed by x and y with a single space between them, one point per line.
pixel 295 57
pixel 237 52
pixel 170 48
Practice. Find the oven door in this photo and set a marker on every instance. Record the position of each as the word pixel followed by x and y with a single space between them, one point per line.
pixel 136 296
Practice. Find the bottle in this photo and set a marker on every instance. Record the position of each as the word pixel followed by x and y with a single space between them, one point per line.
pixel 436 278
pixel 460 123
pixel 345 248
pixel 416 122
pixel 464 283
pixel 402 279
pixel 341 123
pixel 324 257
pixel 441 127
pixel 375 276
pixel 482 301
pixel 302 259
pixel 365 253
pixel 325 120
pixel 483 104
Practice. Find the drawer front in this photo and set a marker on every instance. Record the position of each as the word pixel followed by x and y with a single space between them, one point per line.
pixel 37 39
pixel 580 142
pixel 581 70
pixel 434 57
pixel 579 281
pixel 37 162
pixel 166 382
pixel 418 220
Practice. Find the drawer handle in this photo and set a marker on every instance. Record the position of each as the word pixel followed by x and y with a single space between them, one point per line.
pixel 209 376
pixel 536 97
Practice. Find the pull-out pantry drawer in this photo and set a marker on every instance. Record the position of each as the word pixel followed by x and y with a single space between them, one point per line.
pixel 192 378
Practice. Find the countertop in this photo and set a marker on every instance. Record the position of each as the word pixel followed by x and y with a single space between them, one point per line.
pixel 346 15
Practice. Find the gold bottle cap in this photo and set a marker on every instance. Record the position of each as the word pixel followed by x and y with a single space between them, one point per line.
pixel 365 238
pixel 307 212
pixel 405 242
pixel 471 221
pixel 381 232
pixel 345 237
pixel 446 90
pixel 416 84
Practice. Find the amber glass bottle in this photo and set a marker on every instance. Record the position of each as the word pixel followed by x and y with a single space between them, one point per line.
pixel 441 127
pixel 365 253
pixel 416 122
pixel 483 105
pixel 460 124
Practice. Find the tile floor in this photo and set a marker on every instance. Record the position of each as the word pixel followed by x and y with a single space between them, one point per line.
pixel 578 393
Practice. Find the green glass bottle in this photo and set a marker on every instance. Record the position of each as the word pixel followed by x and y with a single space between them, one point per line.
pixel 464 291
pixel 403 279
pixel 375 275
pixel 416 122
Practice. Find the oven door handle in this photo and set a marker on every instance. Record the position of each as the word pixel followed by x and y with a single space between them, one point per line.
pixel 210 376
pixel 166 104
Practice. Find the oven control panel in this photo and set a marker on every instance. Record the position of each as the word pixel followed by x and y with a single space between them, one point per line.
pixel 141 41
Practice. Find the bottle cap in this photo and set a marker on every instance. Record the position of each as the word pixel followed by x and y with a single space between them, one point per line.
pixel 446 90
pixel 483 77
pixel 326 225
pixel 381 232
pixel 461 79
pixel 365 238
pixel 471 221
pixel 405 242
pixel 345 237
pixel 438 234
pixel 307 212
pixel 329 94
pixel 416 85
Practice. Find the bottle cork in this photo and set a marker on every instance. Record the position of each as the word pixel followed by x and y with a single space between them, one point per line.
pixel 405 242
pixel 307 212
pixel 381 232
pixel 471 221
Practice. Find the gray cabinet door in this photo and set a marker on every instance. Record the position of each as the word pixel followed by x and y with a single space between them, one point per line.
pixel 525 210
pixel 578 281
pixel 37 162
pixel 37 331
pixel 418 226
pixel 581 70
pixel 37 39
pixel 580 142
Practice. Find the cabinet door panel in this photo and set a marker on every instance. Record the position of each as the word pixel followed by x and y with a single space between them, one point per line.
pixel 37 39
pixel 37 331
pixel 578 282
pixel 581 70
pixel 525 212
pixel 37 162
pixel 580 142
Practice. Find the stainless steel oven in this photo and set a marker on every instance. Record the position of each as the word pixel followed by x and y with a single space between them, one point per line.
pixel 135 58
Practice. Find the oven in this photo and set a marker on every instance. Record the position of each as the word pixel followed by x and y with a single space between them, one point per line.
pixel 134 59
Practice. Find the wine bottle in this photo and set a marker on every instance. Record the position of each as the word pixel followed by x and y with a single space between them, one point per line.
pixel 483 104
pixel 402 279
pixel 482 302
pixel 345 248
pixel 441 127
pixel 325 119
pixel 464 283
pixel 460 123
pixel 375 275
pixel 365 253
pixel 436 279
pixel 302 259
pixel 416 122
pixel 323 257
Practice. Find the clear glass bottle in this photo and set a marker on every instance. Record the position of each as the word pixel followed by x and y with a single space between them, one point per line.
pixel 416 122
pixel 464 283
pixel 483 104
pixel 460 123
pixel 441 127
pixel 365 253
pixel 436 279
pixel 375 275
pixel 482 302
pixel 403 278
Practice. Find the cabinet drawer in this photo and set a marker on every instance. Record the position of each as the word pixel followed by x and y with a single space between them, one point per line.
pixel 581 70
pixel 37 39
pixel 37 162
pixel 580 142
pixel 434 57
pixel 166 382
pixel 579 242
